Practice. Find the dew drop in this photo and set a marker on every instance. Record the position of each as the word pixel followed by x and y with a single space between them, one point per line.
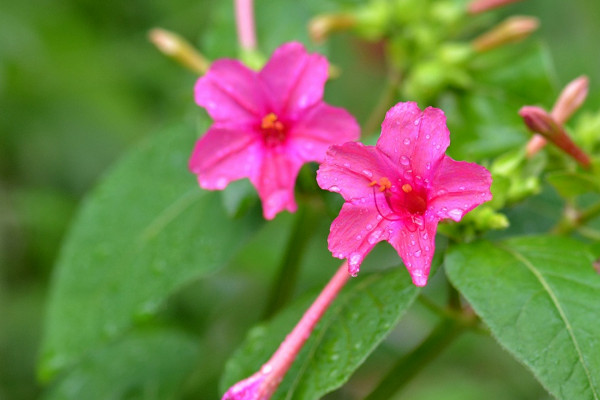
pixel 404 160
pixel 437 146
pixel 407 174
pixel 425 235
pixel 374 237
pixel 461 188
pixel 455 213
pixel 428 136
pixel 358 237
pixel 406 141
pixel 428 165
pixel 347 165
pixel 417 253
pixel 417 121
pixel 379 217
pixel 367 173
pixel 354 260
pixel 334 189
pixel 369 227
pixel 221 183
pixel 266 369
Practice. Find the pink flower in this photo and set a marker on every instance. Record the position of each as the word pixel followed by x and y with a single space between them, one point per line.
pixel 267 124
pixel 400 189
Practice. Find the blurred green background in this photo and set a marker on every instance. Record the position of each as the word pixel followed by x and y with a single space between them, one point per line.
pixel 80 84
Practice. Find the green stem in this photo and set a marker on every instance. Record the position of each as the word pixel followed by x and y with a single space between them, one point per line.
pixel 283 286
pixel 412 363
pixel 385 101
pixel 574 219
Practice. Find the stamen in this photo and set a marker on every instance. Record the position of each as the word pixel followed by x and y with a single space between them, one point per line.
pixel 377 207
pixel 270 122
pixel 406 188
pixel 273 130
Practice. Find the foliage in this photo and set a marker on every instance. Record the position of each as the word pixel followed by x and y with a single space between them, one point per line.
pixel 158 282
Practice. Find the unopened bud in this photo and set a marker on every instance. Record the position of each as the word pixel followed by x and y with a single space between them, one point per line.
pixel 320 27
pixel 570 99
pixel 479 6
pixel 179 49
pixel 511 30
pixel 539 121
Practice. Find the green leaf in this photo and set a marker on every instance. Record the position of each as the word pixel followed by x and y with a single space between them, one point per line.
pixel 143 233
pixel 570 184
pixel 362 316
pixel 152 365
pixel 540 297
pixel 485 119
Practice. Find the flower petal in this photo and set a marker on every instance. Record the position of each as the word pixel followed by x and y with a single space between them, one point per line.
pixel 231 92
pixel 413 139
pixel 294 79
pixel 223 155
pixel 350 169
pixel 355 232
pixel 459 187
pixel 321 127
pixel 275 181
pixel 416 249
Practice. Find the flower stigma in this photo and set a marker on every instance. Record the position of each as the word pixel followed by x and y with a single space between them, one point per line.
pixel 272 129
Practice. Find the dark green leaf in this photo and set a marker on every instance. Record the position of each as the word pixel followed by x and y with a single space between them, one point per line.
pixel 356 322
pixel 540 297
pixel 144 232
pixel 151 365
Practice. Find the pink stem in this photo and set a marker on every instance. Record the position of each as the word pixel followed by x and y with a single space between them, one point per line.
pixel 244 17
pixel 263 383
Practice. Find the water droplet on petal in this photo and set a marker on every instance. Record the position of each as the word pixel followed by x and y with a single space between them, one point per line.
pixel 404 160
pixel 461 188
pixel 425 235
pixel 358 237
pixel 354 260
pixel 455 213
pixel 368 173
pixel 347 165
pixel 428 165
pixel 374 237
pixel 221 183
pixel 334 189
pixel 407 174
pixel 428 136
pixel 417 253
pixel 437 146
pixel 369 227
pixel 379 217
pixel 417 121
pixel 406 141
pixel 266 369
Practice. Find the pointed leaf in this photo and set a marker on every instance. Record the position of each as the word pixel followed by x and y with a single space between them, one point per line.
pixel 358 320
pixel 540 297
pixel 152 365
pixel 143 233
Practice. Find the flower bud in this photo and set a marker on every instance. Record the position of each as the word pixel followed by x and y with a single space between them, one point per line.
pixel 179 49
pixel 511 30
pixel 320 27
pixel 570 99
pixel 479 6
pixel 539 121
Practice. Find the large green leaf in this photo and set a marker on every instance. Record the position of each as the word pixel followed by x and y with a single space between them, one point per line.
pixel 151 365
pixel 540 297
pixel 143 233
pixel 355 324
